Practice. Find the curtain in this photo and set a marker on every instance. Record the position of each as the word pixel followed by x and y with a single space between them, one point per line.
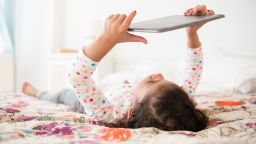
pixel 6 26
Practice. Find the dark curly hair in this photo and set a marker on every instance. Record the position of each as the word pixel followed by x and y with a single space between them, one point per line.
pixel 170 109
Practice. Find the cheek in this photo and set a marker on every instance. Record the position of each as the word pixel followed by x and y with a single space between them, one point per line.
pixel 140 85
pixel 139 91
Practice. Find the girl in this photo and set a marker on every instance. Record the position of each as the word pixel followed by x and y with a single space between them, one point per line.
pixel 152 102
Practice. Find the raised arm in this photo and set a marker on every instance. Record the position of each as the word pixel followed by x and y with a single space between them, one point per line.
pixel 80 76
pixel 194 63
pixel 194 53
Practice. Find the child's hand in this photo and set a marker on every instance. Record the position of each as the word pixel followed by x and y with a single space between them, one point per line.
pixel 116 27
pixel 199 10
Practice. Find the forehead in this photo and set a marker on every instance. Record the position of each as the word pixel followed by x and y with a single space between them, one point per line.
pixel 160 85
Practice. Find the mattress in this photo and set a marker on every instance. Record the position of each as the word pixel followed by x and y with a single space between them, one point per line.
pixel 25 119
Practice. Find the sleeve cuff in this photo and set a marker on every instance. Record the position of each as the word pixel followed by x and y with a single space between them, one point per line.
pixel 84 57
pixel 195 51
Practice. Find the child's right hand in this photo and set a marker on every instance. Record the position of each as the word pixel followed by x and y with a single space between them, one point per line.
pixel 115 29
pixel 198 10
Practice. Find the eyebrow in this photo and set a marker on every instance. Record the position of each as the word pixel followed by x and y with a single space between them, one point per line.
pixel 150 83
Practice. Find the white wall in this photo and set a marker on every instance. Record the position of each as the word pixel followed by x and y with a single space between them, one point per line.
pixel 7 72
pixel 33 40
pixel 45 24
pixel 234 34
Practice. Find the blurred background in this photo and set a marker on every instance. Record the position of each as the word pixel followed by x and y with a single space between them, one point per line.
pixel 39 38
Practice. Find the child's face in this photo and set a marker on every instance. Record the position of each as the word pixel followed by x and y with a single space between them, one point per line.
pixel 148 86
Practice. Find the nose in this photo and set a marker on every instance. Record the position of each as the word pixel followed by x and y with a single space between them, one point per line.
pixel 157 76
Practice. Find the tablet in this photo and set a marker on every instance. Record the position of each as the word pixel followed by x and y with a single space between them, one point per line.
pixel 169 23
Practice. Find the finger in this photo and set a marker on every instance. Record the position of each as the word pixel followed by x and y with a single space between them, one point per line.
pixel 135 38
pixel 121 18
pixel 110 17
pixel 129 19
pixel 115 17
pixel 210 12
pixel 204 9
pixel 195 10
pixel 198 10
pixel 188 12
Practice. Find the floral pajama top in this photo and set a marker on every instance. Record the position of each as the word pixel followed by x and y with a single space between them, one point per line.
pixel 110 104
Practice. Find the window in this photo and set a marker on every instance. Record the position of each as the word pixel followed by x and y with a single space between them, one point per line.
pixel 6 26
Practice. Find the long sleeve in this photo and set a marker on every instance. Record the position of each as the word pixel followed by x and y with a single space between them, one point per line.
pixel 193 69
pixel 91 97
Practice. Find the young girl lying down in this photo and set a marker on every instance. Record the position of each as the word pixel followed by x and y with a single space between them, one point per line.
pixel 152 102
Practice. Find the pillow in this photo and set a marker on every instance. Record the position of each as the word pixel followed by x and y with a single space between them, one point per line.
pixel 247 86
pixel 248 83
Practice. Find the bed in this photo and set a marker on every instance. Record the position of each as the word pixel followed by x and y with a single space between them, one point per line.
pixel 25 119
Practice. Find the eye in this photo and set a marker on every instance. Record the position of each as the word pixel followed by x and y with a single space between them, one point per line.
pixel 150 81
pixel 152 78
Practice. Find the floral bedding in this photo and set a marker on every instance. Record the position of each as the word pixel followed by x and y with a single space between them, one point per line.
pixel 25 119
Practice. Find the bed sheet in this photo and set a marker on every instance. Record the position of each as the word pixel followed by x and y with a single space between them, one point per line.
pixel 25 119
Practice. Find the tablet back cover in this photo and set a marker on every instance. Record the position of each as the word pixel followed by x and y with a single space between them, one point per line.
pixel 169 23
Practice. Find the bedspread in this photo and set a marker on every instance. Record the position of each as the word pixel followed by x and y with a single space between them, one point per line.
pixel 25 119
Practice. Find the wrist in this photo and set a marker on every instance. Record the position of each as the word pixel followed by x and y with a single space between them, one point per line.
pixel 99 48
pixel 106 39
pixel 193 40
pixel 192 33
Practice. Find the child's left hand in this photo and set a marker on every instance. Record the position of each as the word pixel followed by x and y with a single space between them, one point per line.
pixel 116 27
